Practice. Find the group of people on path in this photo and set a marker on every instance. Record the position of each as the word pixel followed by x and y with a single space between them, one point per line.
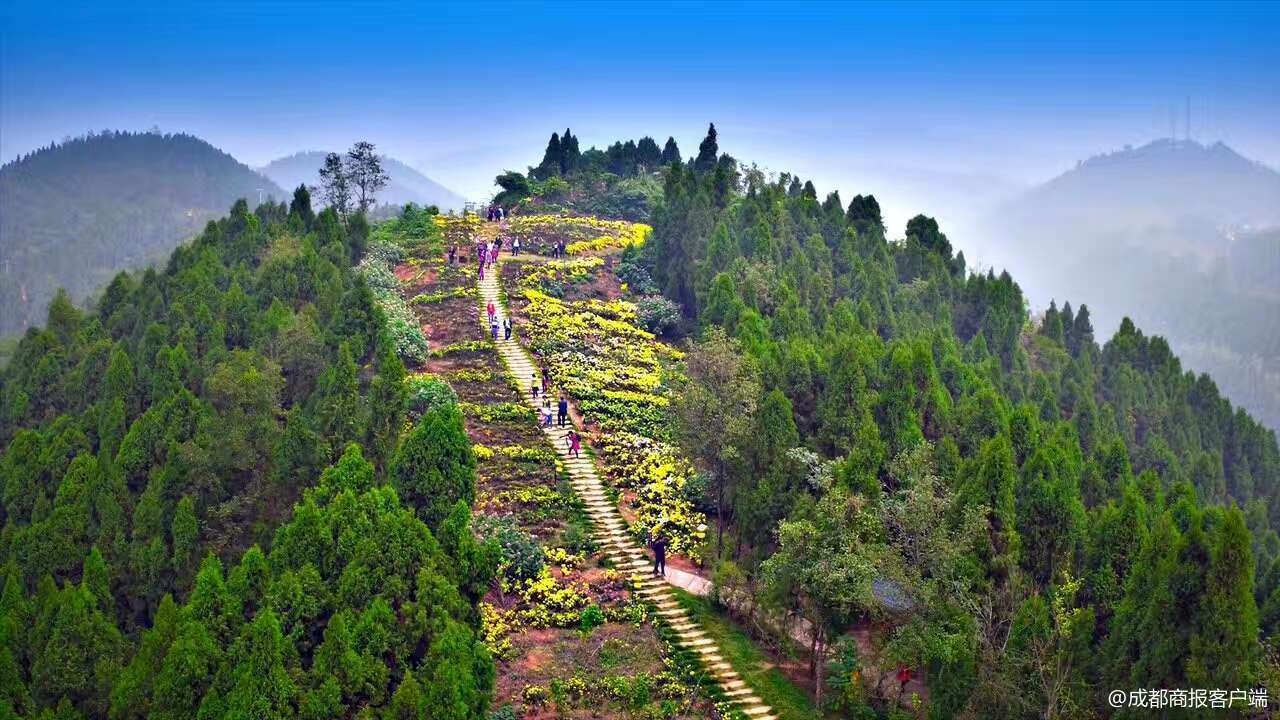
pixel 493 323
pixel 495 213
pixel 561 411
pixel 486 253
pixel 558 250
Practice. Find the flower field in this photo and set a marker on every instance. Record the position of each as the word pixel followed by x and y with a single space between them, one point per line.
pixel 570 636
pixel 615 372
pixel 580 234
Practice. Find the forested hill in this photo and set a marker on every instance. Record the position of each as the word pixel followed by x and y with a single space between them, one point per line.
pixel 197 515
pixel 1178 236
pixel 73 214
pixel 1056 514
pixel 406 185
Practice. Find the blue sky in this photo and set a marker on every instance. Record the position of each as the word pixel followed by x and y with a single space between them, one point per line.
pixel 930 106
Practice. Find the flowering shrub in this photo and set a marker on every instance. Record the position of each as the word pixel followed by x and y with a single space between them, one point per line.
pixel 458 228
pixel 471 375
pixel 613 369
pixel 658 475
pixel 580 234
pixel 467 346
pixel 498 412
pixel 523 560
pixel 531 496
pixel 426 391
pixel 564 559
pixel 555 276
pixel 430 298
pixel 376 266
pixel 657 314
pixel 521 453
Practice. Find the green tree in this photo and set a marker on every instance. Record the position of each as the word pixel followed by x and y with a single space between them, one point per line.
pixel 185 534
pixel 670 152
pixel 708 151
pixel 261 688
pixel 336 184
pixel 388 395
pixel 715 411
pixel 434 466
pixel 365 173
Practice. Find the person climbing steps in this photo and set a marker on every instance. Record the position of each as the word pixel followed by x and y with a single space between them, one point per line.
pixel 658 544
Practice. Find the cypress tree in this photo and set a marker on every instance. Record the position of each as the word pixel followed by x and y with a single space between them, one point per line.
pixel 552 159
pixel 707 152
pixel 301 205
pixel 435 467
pixel 671 152
pixel 1081 332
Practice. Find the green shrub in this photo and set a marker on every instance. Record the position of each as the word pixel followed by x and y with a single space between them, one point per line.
pixel 427 392
pixel 591 618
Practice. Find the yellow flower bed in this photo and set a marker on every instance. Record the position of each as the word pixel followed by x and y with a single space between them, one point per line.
pixel 613 370
pixel 458 228
pixel 580 234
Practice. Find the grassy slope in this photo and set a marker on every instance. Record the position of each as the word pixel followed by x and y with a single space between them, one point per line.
pixel 788 700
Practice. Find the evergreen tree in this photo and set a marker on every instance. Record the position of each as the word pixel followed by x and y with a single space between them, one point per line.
pixel 435 466
pixel 708 152
pixel 301 206
pixel 1052 325
pixel 570 155
pixel 864 213
pixel 185 534
pixel 552 159
pixel 261 688
pixel 1081 336
pixel 670 152
pixel 388 395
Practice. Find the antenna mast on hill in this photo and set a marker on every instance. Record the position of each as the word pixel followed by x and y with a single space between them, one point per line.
pixel 1188 119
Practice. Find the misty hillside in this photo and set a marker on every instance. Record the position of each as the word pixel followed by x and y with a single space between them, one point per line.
pixel 74 214
pixel 1179 236
pixel 406 184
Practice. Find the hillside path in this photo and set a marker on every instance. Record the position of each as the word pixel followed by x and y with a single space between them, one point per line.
pixel 611 531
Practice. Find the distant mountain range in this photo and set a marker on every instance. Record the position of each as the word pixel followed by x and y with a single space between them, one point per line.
pixel 1179 236
pixel 74 214
pixel 406 184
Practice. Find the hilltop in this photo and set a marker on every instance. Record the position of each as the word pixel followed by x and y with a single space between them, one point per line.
pixel 1166 233
pixel 75 213
pixel 407 185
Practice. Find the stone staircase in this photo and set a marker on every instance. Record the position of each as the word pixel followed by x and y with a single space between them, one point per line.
pixel 611 531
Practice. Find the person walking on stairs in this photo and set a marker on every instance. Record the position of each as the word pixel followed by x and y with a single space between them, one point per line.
pixel 492 312
pixel 546 411
pixel 658 543
pixel 515 247
pixel 533 387
pixel 493 328
pixel 563 411
pixel 575 443
pixel 546 381
pixel 506 328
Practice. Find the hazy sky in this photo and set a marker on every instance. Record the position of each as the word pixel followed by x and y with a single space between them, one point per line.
pixel 933 107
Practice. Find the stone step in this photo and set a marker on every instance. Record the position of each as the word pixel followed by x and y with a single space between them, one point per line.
pixel 613 535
